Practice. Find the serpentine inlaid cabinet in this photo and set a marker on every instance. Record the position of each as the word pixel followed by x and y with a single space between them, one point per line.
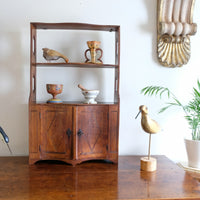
pixel 73 132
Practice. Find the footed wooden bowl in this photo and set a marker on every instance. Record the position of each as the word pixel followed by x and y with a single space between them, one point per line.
pixel 54 89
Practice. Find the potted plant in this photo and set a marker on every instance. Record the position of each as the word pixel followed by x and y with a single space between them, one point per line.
pixel 192 115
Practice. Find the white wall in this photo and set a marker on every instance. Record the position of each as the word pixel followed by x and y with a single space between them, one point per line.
pixel 139 68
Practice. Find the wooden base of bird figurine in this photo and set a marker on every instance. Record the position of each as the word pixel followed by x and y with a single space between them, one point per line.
pixel 148 164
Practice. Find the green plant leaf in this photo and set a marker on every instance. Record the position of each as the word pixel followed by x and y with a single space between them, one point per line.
pixel 177 101
pixel 155 90
pixel 164 108
pixel 198 84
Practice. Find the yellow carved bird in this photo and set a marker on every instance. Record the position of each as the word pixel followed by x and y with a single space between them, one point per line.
pixel 149 125
pixel 50 54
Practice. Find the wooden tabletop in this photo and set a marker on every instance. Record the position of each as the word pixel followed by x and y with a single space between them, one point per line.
pixel 95 180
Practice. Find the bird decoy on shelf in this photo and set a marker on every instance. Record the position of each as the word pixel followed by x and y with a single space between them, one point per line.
pixel 50 54
pixel 5 139
pixel 150 126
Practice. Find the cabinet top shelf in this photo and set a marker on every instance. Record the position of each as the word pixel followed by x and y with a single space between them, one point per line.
pixel 75 26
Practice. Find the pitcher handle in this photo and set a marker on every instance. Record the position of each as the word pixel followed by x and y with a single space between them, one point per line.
pixel 99 59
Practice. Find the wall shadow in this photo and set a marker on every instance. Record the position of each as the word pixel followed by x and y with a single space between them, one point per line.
pixel 151 25
pixel 13 106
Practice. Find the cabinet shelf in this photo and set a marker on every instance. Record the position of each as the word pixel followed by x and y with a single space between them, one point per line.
pixel 74 103
pixel 75 26
pixel 80 65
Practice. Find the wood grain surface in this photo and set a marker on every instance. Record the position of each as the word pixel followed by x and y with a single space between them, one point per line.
pixel 94 180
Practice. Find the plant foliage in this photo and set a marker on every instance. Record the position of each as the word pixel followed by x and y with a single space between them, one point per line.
pixel 192 109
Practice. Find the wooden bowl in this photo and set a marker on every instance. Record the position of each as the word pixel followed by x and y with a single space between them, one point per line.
pixel 54 89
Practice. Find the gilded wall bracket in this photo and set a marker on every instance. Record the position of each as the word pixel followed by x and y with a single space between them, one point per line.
pixel 174 28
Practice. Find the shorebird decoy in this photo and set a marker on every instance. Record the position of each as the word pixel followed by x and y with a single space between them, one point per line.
pixel 50 54
pixel 150 126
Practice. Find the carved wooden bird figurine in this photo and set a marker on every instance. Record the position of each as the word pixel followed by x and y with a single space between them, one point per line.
pixel 50 54
pixel 149 125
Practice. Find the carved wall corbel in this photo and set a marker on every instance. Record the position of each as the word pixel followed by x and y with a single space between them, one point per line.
pixel 174 27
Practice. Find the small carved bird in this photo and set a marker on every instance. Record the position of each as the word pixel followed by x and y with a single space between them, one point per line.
pixel 50 54
pixel 149 125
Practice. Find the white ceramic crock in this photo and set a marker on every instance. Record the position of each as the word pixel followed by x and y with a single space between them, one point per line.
pixel 90 96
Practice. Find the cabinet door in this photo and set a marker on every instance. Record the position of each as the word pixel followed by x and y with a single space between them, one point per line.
pixel 56 135
pixel 92 131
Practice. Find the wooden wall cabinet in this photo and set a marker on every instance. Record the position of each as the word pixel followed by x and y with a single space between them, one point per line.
pixel 73 132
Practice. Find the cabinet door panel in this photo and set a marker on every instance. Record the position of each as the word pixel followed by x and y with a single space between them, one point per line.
pixel 54 138
pixel 93 122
